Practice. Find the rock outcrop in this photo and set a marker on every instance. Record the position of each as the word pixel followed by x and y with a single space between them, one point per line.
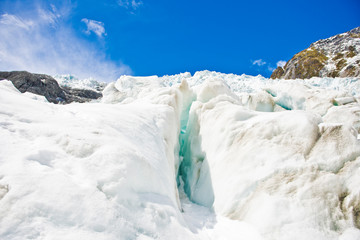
pixel 48 87
pixel 337 56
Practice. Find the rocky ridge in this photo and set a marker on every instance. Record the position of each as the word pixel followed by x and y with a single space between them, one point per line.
pixel 337 56
pixel 48 87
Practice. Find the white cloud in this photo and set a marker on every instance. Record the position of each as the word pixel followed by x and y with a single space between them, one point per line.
pixel 14 21
pixel 130 4
pixel 281 63
pixel 136 4
pixel 271 69
pixel 95 27
pixel 259 62
pixel 49 16
pixel 42 42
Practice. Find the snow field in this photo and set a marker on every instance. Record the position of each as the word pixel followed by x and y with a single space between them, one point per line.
pixel 209 156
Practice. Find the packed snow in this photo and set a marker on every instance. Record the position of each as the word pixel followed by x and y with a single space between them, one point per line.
pixel 208 156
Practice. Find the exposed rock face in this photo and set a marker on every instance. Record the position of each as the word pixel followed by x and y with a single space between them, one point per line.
pixel 48 87
pixel 277 73
pixel 337 56
pixel 39 84
pixel 80 95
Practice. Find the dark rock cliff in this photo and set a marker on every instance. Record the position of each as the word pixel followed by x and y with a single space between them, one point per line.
pixel 48 87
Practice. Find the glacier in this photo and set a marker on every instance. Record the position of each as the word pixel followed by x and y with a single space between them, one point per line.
pixel 208 156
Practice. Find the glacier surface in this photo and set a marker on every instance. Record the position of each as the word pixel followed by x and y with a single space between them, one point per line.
pixel 208 156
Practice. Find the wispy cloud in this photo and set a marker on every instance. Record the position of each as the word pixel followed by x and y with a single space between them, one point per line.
pixel 136 4
pixel 94 26
pixel 49 16
pixel 259 62
pixel 41 41
pixel 281 63
pixel 270 69
pixel 130 4
pixel 12 20
pixel 263 66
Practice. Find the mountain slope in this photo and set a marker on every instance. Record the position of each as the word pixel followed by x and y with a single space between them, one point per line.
pixel 337 56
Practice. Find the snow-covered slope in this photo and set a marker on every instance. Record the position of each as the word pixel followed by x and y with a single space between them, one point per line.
pixel 209 156
pixel 74 82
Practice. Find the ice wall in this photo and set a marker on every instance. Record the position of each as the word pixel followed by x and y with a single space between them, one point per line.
pixel 284 170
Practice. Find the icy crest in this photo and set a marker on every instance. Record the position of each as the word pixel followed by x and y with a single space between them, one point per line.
pixel 74 82
pixel 238 84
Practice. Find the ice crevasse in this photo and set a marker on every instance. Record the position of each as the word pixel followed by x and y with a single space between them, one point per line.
pixel 260 159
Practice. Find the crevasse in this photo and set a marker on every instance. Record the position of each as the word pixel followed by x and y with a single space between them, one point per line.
pixel 193 169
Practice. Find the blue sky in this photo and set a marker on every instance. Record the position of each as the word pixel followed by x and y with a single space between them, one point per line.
pixel 104 39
